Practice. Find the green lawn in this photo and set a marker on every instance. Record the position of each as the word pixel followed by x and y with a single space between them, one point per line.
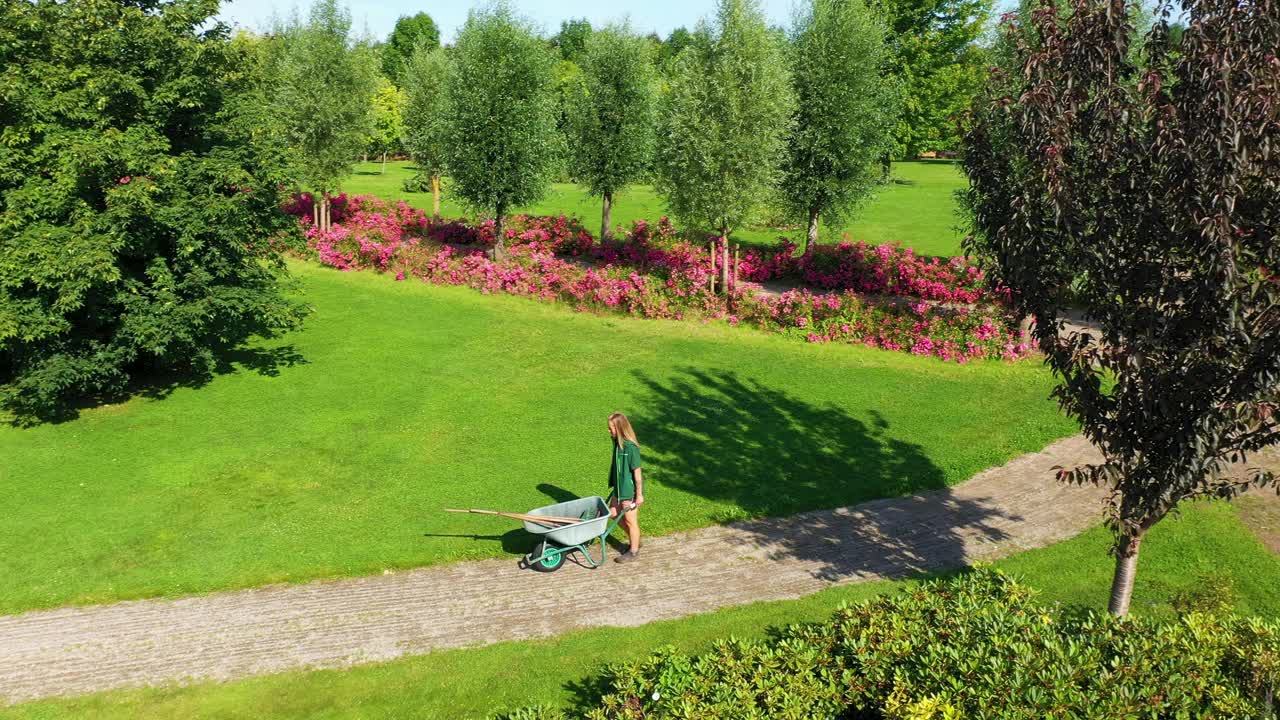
pixel 332 452
pixel 917 208
pixel 1178 554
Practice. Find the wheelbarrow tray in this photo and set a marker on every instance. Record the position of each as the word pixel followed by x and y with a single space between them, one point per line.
pixel 578 533
pixel 558 541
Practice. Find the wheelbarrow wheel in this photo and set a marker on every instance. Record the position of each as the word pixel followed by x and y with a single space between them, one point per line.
pixel 548 563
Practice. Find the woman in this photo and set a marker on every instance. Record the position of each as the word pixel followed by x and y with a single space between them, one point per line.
pixel 626 482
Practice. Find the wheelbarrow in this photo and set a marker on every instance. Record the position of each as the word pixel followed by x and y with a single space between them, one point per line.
pixel 558 541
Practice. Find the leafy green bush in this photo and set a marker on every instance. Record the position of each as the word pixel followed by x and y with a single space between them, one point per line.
pixel 140 186
pixel 417 183
pixel 978 646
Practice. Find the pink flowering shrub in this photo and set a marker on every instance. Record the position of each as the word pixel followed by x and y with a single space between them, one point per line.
pixel 888 269
pixel 302 204
pixel 763 265
pixel 371 233
pixel 952 334
pixel 560 235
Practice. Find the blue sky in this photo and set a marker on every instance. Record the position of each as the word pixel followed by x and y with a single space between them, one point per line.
pixel 380 17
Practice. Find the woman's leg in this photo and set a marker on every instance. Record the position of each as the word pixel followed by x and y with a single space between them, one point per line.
pixel 631 520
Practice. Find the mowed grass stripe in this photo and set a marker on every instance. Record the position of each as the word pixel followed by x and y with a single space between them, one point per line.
pixel 404 398
pixel 917 207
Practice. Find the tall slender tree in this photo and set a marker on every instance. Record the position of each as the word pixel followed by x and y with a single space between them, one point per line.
pixel 1145 187
pixel 424 114
pixel 501 140
pixel 845 111
pixel 387 125
pixel 613 123
pixel 723 124
pixel 326 80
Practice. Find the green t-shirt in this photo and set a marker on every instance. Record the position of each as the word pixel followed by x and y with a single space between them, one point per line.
pixel 626 460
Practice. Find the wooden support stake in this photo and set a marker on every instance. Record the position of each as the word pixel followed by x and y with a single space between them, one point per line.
pixel 736 249
pixel 724 267
pixel 712 249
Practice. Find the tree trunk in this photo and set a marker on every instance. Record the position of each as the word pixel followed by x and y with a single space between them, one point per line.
pixel 315 211
pixel 606 217
pixel 435 196
pixel 384 162
pixel 499 242
pixel 812 238
pixel 886 164
pixel 1126 572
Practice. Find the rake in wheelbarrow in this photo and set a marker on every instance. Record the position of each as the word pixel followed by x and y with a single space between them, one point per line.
pixel 557 542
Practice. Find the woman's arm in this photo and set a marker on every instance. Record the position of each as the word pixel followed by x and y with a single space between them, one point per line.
pixel 639 486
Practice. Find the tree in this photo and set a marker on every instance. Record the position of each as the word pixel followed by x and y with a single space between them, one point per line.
pixel 408 34
pixel 723 125
pixel 326 84
pixel 613 122
pixel 137 197
pixel 424 114
pixel 937 67
pixel 388 119
pixel 1151 193
pixel 501 140
pixel 571 41
pixel 677 40
pixel 844 113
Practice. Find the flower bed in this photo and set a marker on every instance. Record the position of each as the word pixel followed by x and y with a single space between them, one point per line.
pixel 888 269
pixel 921 328
pixel 651 273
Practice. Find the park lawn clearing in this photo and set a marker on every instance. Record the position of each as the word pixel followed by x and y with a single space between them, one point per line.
pixel 332 452
pixel 916 208
pixel 1206 546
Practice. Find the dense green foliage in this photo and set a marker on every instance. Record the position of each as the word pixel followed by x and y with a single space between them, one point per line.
pixel 1203 557
pixel 501 140
pixel 138 187
pixel 844 111
pixel 571 41
pixel 724 120
pixel 324 94
pixel 371 444
pixel 410 32
pixel 938 67
pixel 977 646
pixel 424 117
pixel 613 121
pixel 677 40
pixel 1145 187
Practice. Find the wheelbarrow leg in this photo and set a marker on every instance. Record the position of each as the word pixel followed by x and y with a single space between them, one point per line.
pixel 586 552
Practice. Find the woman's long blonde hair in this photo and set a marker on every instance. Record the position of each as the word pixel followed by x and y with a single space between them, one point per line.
pixel 622 429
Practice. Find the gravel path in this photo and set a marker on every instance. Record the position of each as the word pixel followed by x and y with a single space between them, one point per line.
pixel 339 623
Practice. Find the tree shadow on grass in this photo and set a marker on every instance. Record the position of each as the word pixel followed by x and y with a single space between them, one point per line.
pixel 774 456
pixel 160 384
pixel 778 457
